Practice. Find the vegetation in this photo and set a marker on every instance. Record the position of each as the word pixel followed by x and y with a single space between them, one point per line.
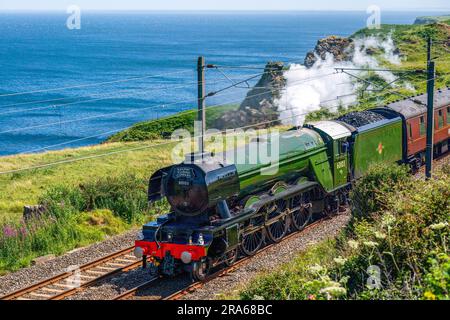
pixel 163 128
pixel 396 246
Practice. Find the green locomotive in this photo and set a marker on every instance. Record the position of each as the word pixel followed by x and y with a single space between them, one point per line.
pixel 221 210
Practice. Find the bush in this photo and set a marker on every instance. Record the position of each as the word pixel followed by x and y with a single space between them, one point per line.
pixel 125 196
pixel 398 239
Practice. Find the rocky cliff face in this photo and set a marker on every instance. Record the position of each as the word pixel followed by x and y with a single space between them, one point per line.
pixel 341 48
pixel 258 106
pixel 431 19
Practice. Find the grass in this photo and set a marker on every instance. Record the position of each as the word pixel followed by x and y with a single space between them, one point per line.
pixel 163 128
pixel 87 200
pixel 26 187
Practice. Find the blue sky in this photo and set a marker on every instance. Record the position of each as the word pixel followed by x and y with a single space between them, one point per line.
pixel 403 5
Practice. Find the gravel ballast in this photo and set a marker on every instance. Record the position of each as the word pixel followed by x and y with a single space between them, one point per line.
pixel 30 275
pixel 269 260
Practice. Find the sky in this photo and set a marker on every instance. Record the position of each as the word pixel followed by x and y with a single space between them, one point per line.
pixel 181 5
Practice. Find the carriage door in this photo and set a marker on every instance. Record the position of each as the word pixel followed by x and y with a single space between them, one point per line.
pixel 340 161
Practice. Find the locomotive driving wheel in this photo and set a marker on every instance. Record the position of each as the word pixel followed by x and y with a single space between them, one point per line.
pixel 252 242
pixel 231 257
pixel 302 213
pixel 278 229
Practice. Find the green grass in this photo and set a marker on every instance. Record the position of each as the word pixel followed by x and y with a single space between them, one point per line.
pixel 86 200
pixel 26 187
pixel 163 128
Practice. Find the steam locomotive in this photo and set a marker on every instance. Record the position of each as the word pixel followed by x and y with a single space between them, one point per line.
pixel 220 211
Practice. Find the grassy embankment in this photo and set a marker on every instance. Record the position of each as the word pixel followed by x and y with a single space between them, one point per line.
pixel 399 236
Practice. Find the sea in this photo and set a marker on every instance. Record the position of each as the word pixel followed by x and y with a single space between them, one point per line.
pixel 64 87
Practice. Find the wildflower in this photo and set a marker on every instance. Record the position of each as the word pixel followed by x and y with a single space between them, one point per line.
pixel 439 226
pixel 340 261
pixel 370 244
pixel 317 268
pixel 312 297
pixel 353 244
pixel 429 295
pixel 388 219
pixel 380 235
pixel 335 291
pixel 9 232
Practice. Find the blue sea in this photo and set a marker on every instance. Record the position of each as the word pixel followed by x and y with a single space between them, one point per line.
pixel 64 88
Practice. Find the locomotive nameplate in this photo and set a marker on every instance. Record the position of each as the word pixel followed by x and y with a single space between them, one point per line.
pixel 183 172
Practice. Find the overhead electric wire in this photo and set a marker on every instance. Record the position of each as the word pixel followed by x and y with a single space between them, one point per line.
pixel 94 84
pixel 168 117
pixel 106 115
pixel 132 91
pixel 154 145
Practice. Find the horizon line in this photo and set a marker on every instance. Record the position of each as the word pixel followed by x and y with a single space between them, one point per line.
pixel 227 10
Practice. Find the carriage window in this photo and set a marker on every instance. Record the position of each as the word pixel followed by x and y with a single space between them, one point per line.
pixel 448 115
pixel 422 126
pixel 440 119
pixel 410 131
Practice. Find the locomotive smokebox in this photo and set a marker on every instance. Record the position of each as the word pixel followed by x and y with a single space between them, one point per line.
pixel 193 187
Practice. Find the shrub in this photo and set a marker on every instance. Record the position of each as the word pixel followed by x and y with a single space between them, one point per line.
pixel 124 195
pixel 398 240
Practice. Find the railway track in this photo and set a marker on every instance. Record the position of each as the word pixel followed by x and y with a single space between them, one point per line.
pixel 221 273
pixel 68 283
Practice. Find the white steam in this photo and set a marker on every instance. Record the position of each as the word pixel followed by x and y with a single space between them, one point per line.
pixel 310 89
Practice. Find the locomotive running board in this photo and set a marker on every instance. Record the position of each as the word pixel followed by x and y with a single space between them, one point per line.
pixel 249 212
pixel 292 190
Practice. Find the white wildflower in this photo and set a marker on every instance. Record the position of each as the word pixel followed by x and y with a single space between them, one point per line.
pixel 370 244
pixel 317 268
pixel 353 244
pixel 340 261
pixel 439 226
pixel 334 291
pixel 388 219
pixel 380 235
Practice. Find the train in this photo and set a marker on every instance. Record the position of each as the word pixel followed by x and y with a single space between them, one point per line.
pixel 221 211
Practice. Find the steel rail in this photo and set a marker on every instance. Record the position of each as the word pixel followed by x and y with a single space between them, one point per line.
pixel 63 293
